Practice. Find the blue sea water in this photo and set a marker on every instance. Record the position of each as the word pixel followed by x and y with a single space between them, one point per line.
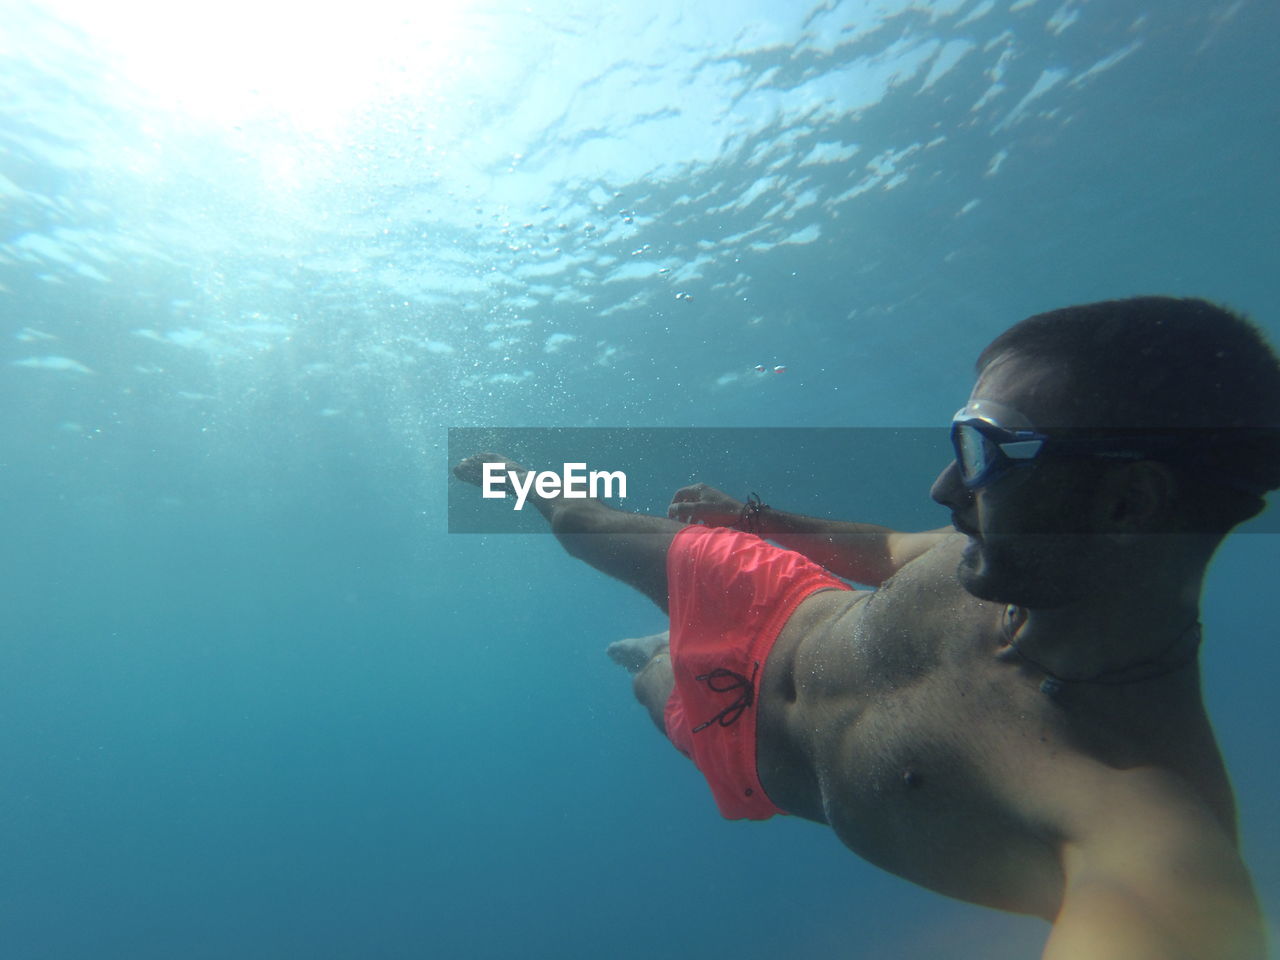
pixel 255 261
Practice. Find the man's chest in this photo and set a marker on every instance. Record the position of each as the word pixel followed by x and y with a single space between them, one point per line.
pixel 940 781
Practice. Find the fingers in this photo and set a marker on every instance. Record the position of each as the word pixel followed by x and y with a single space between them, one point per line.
pixel 683 512
pixel 683 501
pixel 692 493
pixel 708 514
pixel 700 503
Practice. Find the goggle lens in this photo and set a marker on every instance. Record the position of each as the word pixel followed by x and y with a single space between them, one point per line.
pixel 972 452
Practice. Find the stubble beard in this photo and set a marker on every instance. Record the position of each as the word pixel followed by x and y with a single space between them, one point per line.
pixel 1009 575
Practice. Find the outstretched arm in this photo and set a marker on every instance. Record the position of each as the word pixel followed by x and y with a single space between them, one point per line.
pixel 1149 873
pixel 631 547
pixel 1138 912
pixel 862 552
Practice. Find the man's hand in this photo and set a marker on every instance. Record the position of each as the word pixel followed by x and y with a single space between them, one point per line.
pixel 706 505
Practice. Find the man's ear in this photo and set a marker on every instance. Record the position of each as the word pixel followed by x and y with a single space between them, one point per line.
pixel 1139 496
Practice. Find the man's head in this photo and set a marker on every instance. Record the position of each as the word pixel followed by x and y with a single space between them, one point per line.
pixel 1097 422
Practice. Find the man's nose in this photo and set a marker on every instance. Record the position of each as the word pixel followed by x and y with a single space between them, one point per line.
pixel 949 490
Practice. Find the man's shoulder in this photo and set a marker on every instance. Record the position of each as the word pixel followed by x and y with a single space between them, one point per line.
pixel 908 548
pixel 1111 815
pixel 1144 834
pixel 934 569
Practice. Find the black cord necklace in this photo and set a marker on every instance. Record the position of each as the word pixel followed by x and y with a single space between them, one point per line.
pixel 1136 672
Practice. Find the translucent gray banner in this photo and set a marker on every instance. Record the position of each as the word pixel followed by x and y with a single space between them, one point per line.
pixel 870 474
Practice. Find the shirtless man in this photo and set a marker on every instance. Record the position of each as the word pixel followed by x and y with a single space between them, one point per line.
pixel 1013 716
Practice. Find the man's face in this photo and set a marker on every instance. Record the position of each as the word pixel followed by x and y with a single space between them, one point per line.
pixel 1027 528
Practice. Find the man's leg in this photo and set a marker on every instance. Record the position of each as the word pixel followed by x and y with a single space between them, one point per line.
pixel 649 661
pixel 631 547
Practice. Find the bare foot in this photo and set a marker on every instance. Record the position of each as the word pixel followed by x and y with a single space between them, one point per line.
pixel 471 470
pixel 635 652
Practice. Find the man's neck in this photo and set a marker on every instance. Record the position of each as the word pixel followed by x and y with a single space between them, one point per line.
pixel 1109 636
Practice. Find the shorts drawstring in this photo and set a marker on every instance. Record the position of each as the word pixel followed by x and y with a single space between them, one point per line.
pixel 721 680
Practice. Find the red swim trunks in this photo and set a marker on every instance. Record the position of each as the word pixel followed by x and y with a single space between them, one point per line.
pixel 730 595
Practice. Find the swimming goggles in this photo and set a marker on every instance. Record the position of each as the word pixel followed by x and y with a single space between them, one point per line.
pixel 990 439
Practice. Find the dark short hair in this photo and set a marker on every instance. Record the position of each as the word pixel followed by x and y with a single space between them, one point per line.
pixel 1165 363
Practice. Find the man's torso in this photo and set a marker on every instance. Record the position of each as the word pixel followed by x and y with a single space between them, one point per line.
pixel 899 718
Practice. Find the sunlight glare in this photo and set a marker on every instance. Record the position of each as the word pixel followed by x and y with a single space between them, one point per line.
pixel 312 66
